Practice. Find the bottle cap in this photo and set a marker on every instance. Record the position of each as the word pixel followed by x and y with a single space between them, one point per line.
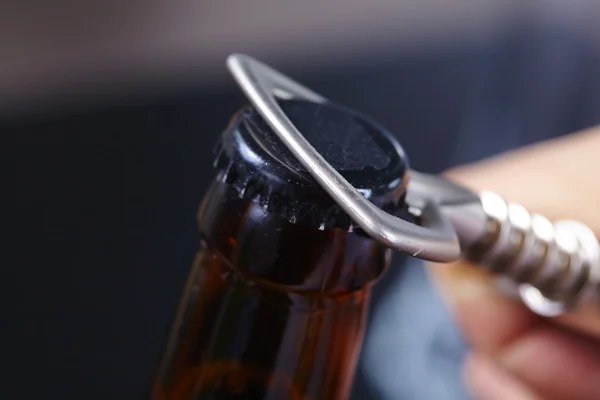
pixel 252 159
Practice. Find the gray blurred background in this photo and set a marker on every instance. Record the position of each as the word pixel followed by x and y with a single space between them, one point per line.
pixel 108 112
pixel 51 50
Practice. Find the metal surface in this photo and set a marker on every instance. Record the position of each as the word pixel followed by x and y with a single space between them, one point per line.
pixel 554 267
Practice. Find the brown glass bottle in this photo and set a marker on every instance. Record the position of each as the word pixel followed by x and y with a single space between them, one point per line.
pixel 276 301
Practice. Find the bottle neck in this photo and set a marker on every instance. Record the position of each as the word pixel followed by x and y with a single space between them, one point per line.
pixel 283 255
pixel 271 309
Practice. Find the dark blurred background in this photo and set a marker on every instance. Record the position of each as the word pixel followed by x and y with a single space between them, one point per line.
pixel 109 110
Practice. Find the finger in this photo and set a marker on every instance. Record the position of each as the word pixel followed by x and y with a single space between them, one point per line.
pixel 488 319
pixel 486 380
pixel 585 319
pixel 555 363
pixel 549 362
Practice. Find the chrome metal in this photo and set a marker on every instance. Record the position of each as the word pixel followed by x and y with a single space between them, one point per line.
pixel 554 267
pixel 461 206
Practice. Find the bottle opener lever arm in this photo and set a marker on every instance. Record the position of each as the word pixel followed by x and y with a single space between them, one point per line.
pixel 555 265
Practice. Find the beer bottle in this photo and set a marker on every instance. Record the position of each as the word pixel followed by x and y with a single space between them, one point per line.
pixel 275 304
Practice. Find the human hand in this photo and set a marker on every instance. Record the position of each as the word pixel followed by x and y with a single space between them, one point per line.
pixel 515 354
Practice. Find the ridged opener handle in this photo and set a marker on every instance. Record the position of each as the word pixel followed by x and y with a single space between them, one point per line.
pixel 556 265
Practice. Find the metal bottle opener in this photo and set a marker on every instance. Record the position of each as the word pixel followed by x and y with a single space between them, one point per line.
pixel 554 266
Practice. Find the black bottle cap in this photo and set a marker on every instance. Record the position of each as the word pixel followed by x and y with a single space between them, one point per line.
pixel 252 158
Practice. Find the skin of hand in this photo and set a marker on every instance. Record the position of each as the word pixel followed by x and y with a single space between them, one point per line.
pixel 516 355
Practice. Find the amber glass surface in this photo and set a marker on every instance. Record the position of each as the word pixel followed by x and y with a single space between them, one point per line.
pixel 271 310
